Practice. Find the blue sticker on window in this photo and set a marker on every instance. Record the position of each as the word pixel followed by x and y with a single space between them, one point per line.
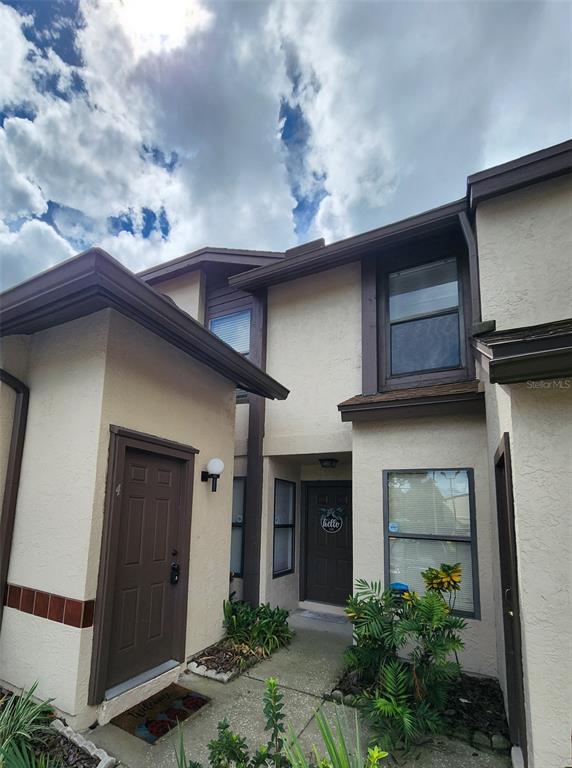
pixel 393 527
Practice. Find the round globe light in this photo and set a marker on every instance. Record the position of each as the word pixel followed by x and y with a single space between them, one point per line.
pixel 215 467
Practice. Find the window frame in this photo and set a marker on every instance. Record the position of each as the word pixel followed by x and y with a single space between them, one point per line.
pixel 471 540
pixel 465 370
pixel 228 313
pixel 225 311
pixel 240 575
pixel 278 574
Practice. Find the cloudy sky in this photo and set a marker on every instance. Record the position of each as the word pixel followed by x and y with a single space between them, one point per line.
pixel 154 127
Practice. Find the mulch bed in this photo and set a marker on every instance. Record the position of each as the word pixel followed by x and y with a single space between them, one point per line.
pixel 227 656
pixel 475 710
pixel 66 752
pixel 477 703
pixel 56 745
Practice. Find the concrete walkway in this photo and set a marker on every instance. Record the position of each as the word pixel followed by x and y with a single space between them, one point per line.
pixel 306 670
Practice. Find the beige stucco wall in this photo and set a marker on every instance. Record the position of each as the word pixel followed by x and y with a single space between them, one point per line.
pixel 541 448
pixel 84 376
pixel 313 348
pixel 56 495
pixel 525 255
pixel 425 443
pixel 188 292
pixel 153 387
pixel 65 374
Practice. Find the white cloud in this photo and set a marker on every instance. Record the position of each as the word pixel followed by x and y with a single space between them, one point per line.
pixel 400 101
pixel 35 247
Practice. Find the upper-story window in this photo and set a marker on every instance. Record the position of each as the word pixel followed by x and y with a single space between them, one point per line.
pixel 234 329
pixel 424 332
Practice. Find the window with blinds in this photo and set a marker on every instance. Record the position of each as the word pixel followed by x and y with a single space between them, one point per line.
pixel 237 535
pixel 429 521
pixel 234 329
pixel 284 525
pixel 424 318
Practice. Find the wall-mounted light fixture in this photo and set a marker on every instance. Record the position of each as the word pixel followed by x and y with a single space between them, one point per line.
pixel 328 463
pixel 213 471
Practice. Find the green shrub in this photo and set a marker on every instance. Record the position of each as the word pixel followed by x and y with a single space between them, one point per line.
pixel 338 754
pixel 24 757
pixel 404 697
pixel 262 628
pixel 22 720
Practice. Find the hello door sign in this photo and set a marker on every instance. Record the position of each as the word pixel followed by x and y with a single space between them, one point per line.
pixel 332 519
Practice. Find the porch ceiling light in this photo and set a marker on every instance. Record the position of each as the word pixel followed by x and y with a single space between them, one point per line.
pixel 214 470
pixel 328 463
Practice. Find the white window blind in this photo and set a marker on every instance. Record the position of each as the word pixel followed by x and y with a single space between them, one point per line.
pixel 234 329
pixel 429 523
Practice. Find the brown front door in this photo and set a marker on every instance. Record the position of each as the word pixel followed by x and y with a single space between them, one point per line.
pixel 328 543
pixel 143 615
pixel 510 603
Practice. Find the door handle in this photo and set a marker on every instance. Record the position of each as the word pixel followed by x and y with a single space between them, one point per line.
pixel 175 571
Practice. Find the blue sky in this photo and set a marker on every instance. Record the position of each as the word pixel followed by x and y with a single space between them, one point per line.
pixel 153 129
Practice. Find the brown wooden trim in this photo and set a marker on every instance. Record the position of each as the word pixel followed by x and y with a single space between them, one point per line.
pixel 12 481
pixel 474 276
pixel 305 486
pixel 47 605
pixel 352 248
pixel 369 341
pixel 191 261
pixel 93 281
pixel 548 163
pixel 254 458
pixel 120 440
pixel 509 574
pixel 170 447
pixel 531 353
pixel 442 399
pixel 436 251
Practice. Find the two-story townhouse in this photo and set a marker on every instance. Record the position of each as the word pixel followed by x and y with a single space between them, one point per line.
pixel 429 420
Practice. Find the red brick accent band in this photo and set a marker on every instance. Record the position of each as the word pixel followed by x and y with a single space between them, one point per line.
pixel 65 610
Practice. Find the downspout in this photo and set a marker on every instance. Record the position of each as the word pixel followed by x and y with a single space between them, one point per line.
pixel 13 468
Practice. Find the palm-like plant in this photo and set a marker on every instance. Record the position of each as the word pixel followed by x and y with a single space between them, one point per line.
pixel 337 751
pixel 405 696
pixel 22 719
pixel 21 756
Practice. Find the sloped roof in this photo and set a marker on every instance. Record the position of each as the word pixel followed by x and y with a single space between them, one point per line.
pixel 94 280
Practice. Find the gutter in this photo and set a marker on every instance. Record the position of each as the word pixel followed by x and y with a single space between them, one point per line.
pixel 12 482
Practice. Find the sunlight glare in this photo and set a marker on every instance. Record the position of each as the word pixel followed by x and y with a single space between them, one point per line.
pixel 156 26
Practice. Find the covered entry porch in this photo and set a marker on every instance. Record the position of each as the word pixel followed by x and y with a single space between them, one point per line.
pixel 306 557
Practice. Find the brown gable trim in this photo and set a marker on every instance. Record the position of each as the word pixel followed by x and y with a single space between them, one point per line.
pixel 190 261
pixel 93 281
pixel 533 168
pixel 530 353
pixel 443 399
pixel 12 482
pixel 351 249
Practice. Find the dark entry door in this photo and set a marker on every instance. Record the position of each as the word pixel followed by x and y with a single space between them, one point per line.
pixel 328 551
pixel 144 599
pixel 510 602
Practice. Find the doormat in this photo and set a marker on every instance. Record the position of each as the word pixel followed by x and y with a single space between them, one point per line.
pixel 160 713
